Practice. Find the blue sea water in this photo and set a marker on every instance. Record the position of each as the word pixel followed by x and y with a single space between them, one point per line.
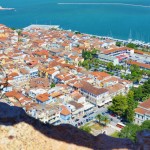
pixel 116 20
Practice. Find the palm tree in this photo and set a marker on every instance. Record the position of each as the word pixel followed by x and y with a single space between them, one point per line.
pixel 99 118
pixel 106 120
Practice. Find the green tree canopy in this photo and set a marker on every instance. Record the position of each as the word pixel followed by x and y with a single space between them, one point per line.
pixel 118 43
pixel 129 131
pixel 110 66
pixel 52 85
pixel 86 129
pixel 99 117
pixel 145 125
pixel 129 114
pixel 131 45
pixel 142 92
pixel 119 105
pixel 105 120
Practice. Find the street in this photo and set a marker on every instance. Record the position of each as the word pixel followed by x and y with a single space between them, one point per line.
pixel 104 111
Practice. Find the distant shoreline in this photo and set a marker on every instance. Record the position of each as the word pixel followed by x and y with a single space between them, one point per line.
pixel 1 8
pixel 124 4
pixel 137 42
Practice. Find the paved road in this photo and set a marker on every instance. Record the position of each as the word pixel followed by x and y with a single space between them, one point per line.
pixel 104 111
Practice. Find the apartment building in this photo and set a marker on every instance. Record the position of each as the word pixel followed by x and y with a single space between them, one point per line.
pixel 142 112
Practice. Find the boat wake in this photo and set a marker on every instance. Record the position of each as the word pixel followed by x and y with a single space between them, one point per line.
pixel 124 4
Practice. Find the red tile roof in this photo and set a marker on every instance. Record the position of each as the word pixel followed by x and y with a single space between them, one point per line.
pixel 91 89
pixel 65 111
pixel 145 104
pixel 131 62
pixel 140 111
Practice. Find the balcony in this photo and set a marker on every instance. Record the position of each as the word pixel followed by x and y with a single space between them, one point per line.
pixel 53 120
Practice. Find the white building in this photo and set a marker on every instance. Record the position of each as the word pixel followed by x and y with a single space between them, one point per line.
pixel 94 95
pixel 107 58
pixel 142 112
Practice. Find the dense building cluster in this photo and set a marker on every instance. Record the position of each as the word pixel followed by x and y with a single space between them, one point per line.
pixel 41 66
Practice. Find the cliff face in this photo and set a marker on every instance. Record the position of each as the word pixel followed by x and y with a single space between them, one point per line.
pixel 19 131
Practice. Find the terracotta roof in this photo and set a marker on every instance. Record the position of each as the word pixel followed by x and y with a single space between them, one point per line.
pixel 112 79
pixel 115 88
pixel 91 89
pixel 143 108
pixel 13 74
pixel 116 49
pixel 76 95
pixel 77 105
pixel 131 62
pixel 43 97
pixel 10 94
pixel 100 74
pixel 55 94
pixel 64 111
pixel 140 110
pixel 145 104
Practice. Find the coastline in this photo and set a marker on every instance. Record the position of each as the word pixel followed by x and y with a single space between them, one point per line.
pixel 1 8
pixel 138 42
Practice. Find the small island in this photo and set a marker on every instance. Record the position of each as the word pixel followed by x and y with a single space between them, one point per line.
pixel 1 8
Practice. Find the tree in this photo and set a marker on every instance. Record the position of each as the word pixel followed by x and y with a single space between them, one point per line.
pixel 52 85
pixel 118 67
pixel 131 45
pixel 80 63
pixel 94 51
pixel 138 95
pixel 87 54
pixel 86 129
pixel 99 118
pixel 146 88
pixel 13 28
pixel 129 131
pixel 83 53
pixel 129 114
pixel 106 120
pixel 119 105
pixel 145 125
pixel 142 92
pixel 118 43
pixel 136 73
pixel 110 66
pixel 19 32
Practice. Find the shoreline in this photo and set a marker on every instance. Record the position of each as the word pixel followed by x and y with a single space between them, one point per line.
pixel 1 8
pixel 138 42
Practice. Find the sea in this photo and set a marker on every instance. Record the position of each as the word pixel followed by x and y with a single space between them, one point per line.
pixel 122 19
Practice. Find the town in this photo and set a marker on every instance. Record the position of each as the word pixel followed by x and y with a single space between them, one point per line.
pixel 64 77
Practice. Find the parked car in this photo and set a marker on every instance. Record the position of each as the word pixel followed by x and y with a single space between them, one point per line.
pixel 113 115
